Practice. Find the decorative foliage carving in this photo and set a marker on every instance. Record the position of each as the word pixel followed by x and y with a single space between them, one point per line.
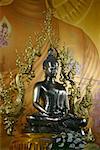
pixel 13 94
pixel 68 66
pixel 82 107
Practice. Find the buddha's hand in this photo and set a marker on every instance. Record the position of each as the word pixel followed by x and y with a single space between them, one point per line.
pixel 52 119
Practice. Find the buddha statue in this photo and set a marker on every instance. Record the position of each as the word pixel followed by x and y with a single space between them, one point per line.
pixel 53 112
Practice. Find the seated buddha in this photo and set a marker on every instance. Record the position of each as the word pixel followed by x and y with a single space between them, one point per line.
pixel 53 113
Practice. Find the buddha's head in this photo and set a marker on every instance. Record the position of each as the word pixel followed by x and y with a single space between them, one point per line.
pixel 50 65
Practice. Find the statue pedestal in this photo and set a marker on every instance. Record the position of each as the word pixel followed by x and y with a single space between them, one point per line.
pixel 37 141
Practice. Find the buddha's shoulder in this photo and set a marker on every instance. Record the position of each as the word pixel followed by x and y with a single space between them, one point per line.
pixel 40 83
pixel 68 28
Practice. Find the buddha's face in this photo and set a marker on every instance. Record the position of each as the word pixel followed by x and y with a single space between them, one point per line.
pixel 51 69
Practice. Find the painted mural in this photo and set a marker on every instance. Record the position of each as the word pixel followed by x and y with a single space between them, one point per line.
pixel 5 30
pixel 77 26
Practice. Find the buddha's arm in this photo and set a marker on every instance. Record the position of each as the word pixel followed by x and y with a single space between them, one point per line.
pixel 36 101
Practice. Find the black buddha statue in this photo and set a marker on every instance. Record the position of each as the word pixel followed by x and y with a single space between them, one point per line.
pixel 51 100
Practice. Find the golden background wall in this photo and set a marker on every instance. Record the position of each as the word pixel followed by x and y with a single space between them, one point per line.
pixel 80 31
